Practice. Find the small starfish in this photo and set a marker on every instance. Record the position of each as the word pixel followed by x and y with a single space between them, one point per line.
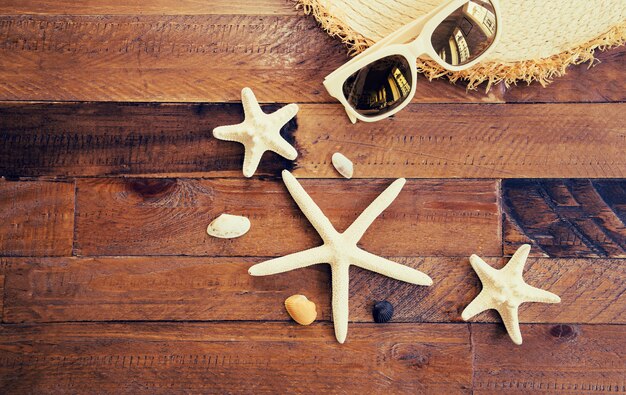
pixel 340 250
pixel 504 290
pixel 259 132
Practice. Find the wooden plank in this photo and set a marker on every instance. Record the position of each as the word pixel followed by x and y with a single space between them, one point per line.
pixel 36 218
pixel 604 82
pixel 179 58
pixel 234 358
pixel 216 289
pixel 77 139
pixel 566 218
pixel 561 359
pixel 145 7
pixel 94 139
pixel 170 216
pixel 3 268
pixel 490 141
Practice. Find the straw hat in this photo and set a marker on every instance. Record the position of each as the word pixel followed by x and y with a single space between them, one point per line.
pixel 539 38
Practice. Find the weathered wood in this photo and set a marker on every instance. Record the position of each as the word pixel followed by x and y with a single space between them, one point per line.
pixel 2 272
pixel 234 358
pixel 604 82
pixel 179 58
pixel 147 7
pixel 36 218
pixel 77 139
pixel 554 359
pixel 565 218
pixel 94 139
pixel 169 216
pixel 503 141
pixel 215 289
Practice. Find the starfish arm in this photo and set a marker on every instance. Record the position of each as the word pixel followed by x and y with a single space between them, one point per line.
pixel 511 323
pixel 289 262
pixel 284 115
pixel 340 283
pixel 308 207
pixel 532 294
pixel 477 306
pixel 251 159
pixel 230 132
pixel 360 225
pixel 250 104
pixel 283 148
pixel 395 270
pixel 515 266
pixel 485 272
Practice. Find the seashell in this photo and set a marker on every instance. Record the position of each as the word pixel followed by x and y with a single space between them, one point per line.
pixel 343 165
pixel 301 309
pixel 228 226
pixel 382 311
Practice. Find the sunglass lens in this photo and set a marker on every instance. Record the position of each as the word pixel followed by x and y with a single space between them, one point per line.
pixel 380 86
pixel 466 33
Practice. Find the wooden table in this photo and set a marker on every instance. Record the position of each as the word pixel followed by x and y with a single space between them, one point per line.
pixel 111 175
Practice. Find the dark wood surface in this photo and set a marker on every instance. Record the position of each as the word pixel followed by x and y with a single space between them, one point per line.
pixel 169 216
pixel 498 141
pixel 110 175
pixel 215 289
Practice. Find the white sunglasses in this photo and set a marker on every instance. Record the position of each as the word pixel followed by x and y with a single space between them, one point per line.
pixel 381 81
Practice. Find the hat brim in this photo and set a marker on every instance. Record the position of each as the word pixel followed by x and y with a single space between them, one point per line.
pixel 538 42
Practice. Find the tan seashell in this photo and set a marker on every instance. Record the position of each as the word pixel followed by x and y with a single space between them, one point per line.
pixel 343 165
pixel 301 309
pixel 228 226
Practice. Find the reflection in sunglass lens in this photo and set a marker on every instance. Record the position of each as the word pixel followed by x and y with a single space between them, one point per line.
pixel 380 86
pixel 466 33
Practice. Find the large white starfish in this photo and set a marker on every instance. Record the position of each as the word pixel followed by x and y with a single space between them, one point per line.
pixel 259 132
pixel 340 250
pixel 504 290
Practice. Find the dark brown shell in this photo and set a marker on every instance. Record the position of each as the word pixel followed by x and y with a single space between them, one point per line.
pixel 382 311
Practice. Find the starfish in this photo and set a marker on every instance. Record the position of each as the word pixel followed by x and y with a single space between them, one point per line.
pixel 504 290
pixel 259 132
pixel 340 250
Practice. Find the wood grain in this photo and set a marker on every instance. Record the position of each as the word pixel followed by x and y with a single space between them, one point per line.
pixel 561 359
pixel 170 216
pixel 178 58
pixel 604 82
pixel 122 96
pixel 218 289
pixel 504 141
pixel 566 218
pixel 78 139
pixel 95 139
pixel 147 7
pixel 36 218
pixel 3 265
pixel 234 358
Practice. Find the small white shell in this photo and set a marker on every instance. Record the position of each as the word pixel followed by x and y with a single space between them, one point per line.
pixel 228 226
pixel 343 165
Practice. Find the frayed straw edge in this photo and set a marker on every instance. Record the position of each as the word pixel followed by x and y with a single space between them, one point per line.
pixel 334 27
pixel 541 70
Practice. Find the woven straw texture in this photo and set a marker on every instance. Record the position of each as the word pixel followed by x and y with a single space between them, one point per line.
pixel 539 38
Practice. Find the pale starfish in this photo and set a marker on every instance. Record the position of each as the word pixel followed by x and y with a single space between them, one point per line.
pixel 504 290
pixel 259 132
pixel 340 250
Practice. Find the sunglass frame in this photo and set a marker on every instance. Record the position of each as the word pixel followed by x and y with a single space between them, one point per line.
pixel 420 32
